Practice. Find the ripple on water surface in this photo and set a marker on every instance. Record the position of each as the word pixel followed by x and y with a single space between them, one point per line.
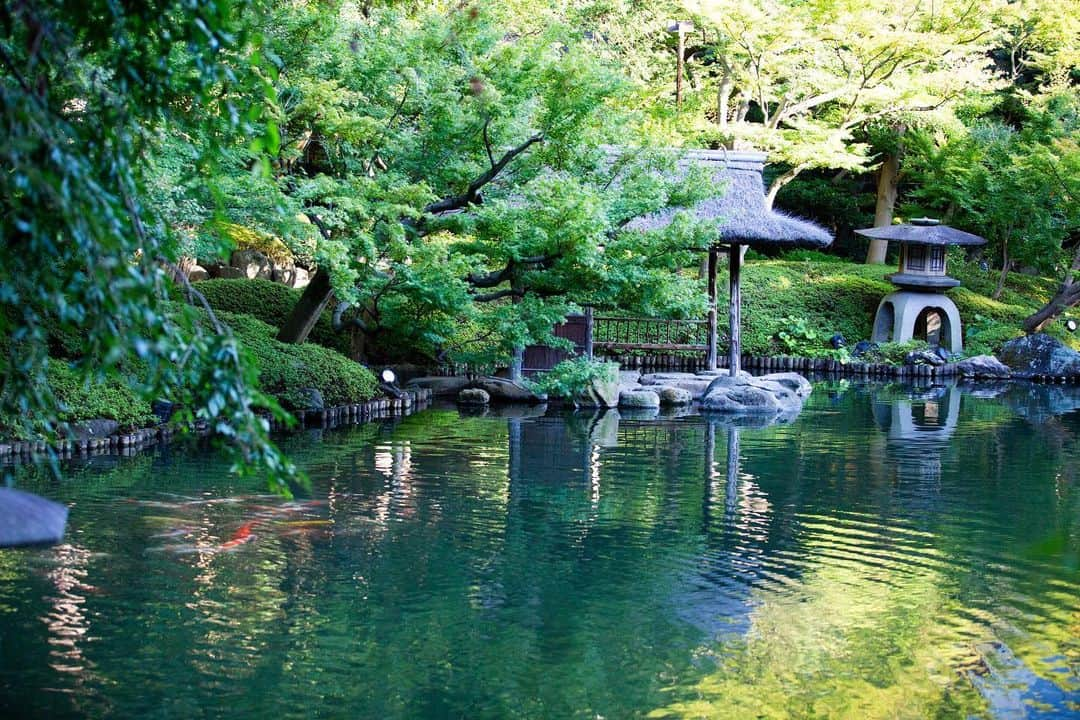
pixel 892 553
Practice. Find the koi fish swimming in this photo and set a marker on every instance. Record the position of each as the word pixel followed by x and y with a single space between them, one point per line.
pixel 242 535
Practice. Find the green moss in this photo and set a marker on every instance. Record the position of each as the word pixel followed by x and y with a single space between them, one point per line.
pixel 270 302
pixel 285 370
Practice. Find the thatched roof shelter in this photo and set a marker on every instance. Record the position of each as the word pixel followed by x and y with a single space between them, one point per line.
pixel 741 218
pixel 738 209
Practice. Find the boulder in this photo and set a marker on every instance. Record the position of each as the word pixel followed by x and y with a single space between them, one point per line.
pixel 629 378
pixel 197 272
pixel 740 399
pixel 26 519
pixel 1040 354
pixel 503 390
pixel 778 395
pixel 473 396
pixel 439 385
pixel 923 357
pixel 311 400
pixel 91 429
pixel 252 264
pixel 674 396
pixel 792 381
pixel 694 384
pixel 638 399
pixel 599 394
pixel 983 366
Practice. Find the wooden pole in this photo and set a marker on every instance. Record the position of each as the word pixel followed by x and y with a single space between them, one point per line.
pixel 589 332
pixel 710 358
pixel 734 309
pixel 679 66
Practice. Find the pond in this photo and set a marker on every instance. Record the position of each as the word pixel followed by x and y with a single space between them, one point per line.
pixel 894 552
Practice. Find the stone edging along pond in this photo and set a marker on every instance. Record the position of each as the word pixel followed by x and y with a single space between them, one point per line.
pixel 135 441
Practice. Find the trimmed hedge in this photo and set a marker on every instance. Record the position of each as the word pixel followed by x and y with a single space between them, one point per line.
pixel 270 302
pixel 285 370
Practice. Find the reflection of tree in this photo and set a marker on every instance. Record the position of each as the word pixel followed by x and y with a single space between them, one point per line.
pixel 563 566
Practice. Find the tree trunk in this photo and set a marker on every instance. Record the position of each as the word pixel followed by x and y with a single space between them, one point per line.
pixel 1005 262
pixel 1066 297
pixel 780 182
pixel 308 308
pixel 888 175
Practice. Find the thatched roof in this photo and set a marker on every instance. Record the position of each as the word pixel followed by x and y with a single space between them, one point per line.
pixel 739 210
pixel 923 231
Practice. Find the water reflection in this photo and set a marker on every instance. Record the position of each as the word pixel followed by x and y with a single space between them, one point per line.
pixel 895 552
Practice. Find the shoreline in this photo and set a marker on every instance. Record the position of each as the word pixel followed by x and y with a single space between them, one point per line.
pixel 130 443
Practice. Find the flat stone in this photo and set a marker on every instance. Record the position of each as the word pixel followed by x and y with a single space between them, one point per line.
pixel 675 396
pixel 27 519
pixel 473 396
pixel 1040 354
pixel 983 366
pixel 638 399
pixel 439 385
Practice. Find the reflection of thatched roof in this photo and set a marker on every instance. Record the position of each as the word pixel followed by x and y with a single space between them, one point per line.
pixel 739 212
pixel 922 234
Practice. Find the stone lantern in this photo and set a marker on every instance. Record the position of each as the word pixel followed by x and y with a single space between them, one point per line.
pixel 920 308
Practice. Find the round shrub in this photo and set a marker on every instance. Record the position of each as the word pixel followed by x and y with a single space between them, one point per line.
pixel 270 302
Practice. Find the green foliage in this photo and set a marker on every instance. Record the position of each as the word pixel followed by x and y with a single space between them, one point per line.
pixel 571 377
pixel 984 335
pixel 799 337
pixel 271 303
pixel 826 297
pixel 86 90
pixel 77 399
pixel 285 370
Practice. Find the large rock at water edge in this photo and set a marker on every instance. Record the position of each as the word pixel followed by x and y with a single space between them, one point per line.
pixel 26 519
pixel 473 396
pixel 503 390
pixel 781 394
pixel 792 381
pixel 92 429
pixel 439 385
pixel 599 394
pixel 1040 354
pixel 638 399
pixel 696 385
pixel 983 366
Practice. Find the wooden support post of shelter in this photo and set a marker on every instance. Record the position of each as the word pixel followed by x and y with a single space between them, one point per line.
pixel 741 217
pixel 734 309
pixel 711 353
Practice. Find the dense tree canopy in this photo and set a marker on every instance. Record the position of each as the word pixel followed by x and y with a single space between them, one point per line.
pixel 459 173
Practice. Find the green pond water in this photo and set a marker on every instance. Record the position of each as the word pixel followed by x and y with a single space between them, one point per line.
pixel 892 553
